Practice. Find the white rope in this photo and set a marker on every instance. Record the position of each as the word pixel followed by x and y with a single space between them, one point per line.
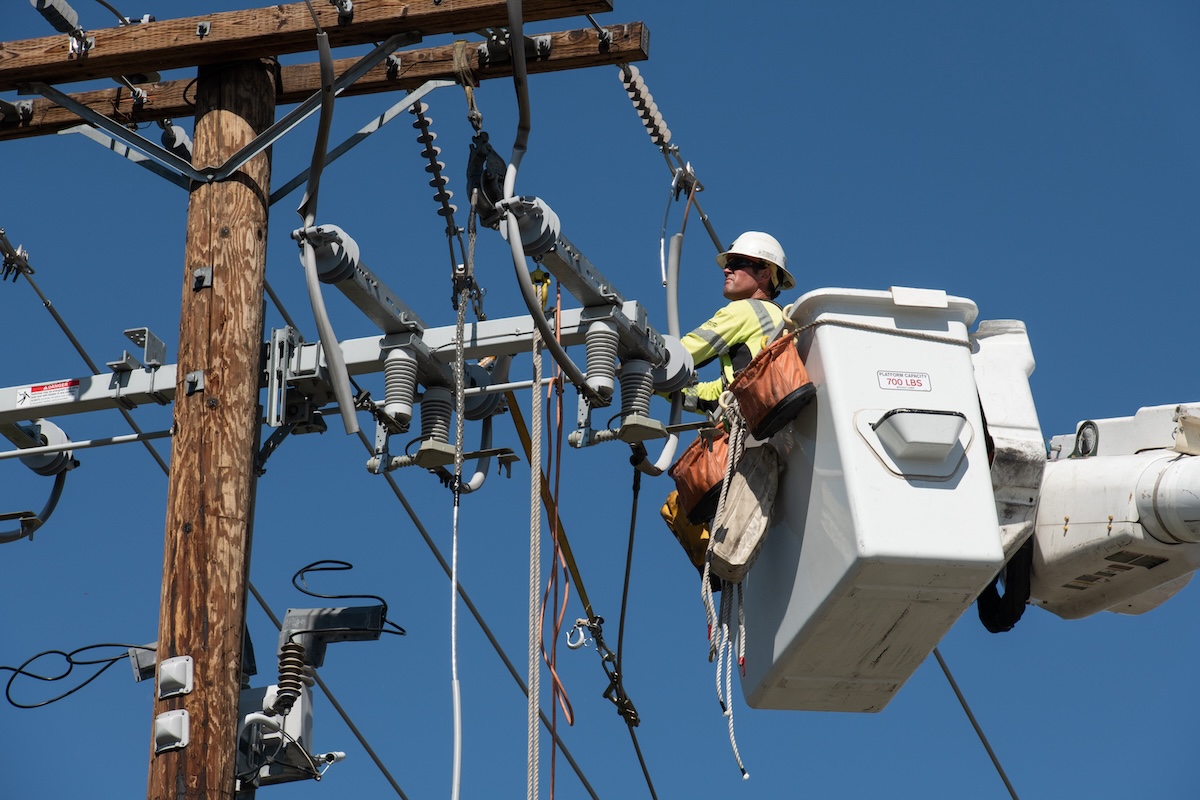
pixel 720 623
pixel 737 438
pixel 535 569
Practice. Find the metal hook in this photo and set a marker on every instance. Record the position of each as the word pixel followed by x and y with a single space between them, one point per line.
pixel 577 637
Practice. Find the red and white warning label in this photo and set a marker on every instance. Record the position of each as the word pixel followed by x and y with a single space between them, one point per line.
pixel 43 394
pixel 905 381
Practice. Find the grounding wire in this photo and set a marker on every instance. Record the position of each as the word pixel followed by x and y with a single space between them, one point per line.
pixel 978 730
pixel 487 631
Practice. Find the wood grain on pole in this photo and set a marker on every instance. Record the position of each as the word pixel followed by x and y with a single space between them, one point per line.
pixel 211 485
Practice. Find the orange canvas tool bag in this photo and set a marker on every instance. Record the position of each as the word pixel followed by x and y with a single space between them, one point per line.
pixel 773 388
pixel 698 475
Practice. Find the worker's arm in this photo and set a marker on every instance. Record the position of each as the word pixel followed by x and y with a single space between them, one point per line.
pixel 707 342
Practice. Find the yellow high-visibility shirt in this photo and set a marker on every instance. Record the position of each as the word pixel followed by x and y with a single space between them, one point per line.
pixel 734 335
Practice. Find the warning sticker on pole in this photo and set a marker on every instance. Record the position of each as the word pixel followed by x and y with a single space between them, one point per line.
pixel 905 381
pixel 44 394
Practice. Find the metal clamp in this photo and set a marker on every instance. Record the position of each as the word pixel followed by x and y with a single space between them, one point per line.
pixel 497 49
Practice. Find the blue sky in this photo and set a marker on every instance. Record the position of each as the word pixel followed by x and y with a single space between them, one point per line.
pixel 1037 158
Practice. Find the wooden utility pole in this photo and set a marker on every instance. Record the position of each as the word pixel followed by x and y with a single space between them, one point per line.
pixel 209 500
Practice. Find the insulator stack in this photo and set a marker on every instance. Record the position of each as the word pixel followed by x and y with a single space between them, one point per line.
pixel 637 387
pixel 431 152
pixel 294 675
pixel 643 103
pixel 400 381
pixel 601 342
pixel 436 407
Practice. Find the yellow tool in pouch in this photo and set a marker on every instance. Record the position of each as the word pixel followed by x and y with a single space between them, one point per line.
pixel 692 537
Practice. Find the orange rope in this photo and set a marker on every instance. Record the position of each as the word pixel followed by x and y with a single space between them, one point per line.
pixel 551 594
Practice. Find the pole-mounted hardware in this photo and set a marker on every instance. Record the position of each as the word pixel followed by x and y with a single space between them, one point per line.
pixel 169 157
pixel 154 354
pixel 498 47
pixel 345 9
pixel 20 111
pixel 610 334
pixel 13 260
pixel 57 464
pixel 65 20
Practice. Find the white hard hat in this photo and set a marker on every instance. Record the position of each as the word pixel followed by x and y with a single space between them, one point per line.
pixel 763 247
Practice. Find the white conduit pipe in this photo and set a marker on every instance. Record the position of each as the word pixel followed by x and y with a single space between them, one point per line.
pixel 520 81
pixel 672 283
pixel 60 480
pixel 483 463
pixel 334 359
pixel 668 452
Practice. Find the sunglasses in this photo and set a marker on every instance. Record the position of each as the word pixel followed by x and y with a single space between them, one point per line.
pixel 735 264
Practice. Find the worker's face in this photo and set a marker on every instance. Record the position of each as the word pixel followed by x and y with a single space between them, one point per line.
pixel 744 277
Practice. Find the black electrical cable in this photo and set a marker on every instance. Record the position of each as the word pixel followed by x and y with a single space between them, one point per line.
pixel 624 706
pixel 398 632
pixel 974 724
pixel 124 20
pixel 71 663
pixel 333 565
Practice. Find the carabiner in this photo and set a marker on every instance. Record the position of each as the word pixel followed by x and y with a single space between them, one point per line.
pixel 577 636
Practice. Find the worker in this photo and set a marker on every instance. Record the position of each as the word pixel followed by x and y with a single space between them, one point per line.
pixel 755 270
pixel 755 273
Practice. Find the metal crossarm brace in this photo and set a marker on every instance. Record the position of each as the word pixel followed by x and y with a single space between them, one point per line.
pixel 260 143
pixel 120 133
pixel 127 152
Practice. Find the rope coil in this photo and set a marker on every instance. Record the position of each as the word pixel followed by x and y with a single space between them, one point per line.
pixel 720 623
